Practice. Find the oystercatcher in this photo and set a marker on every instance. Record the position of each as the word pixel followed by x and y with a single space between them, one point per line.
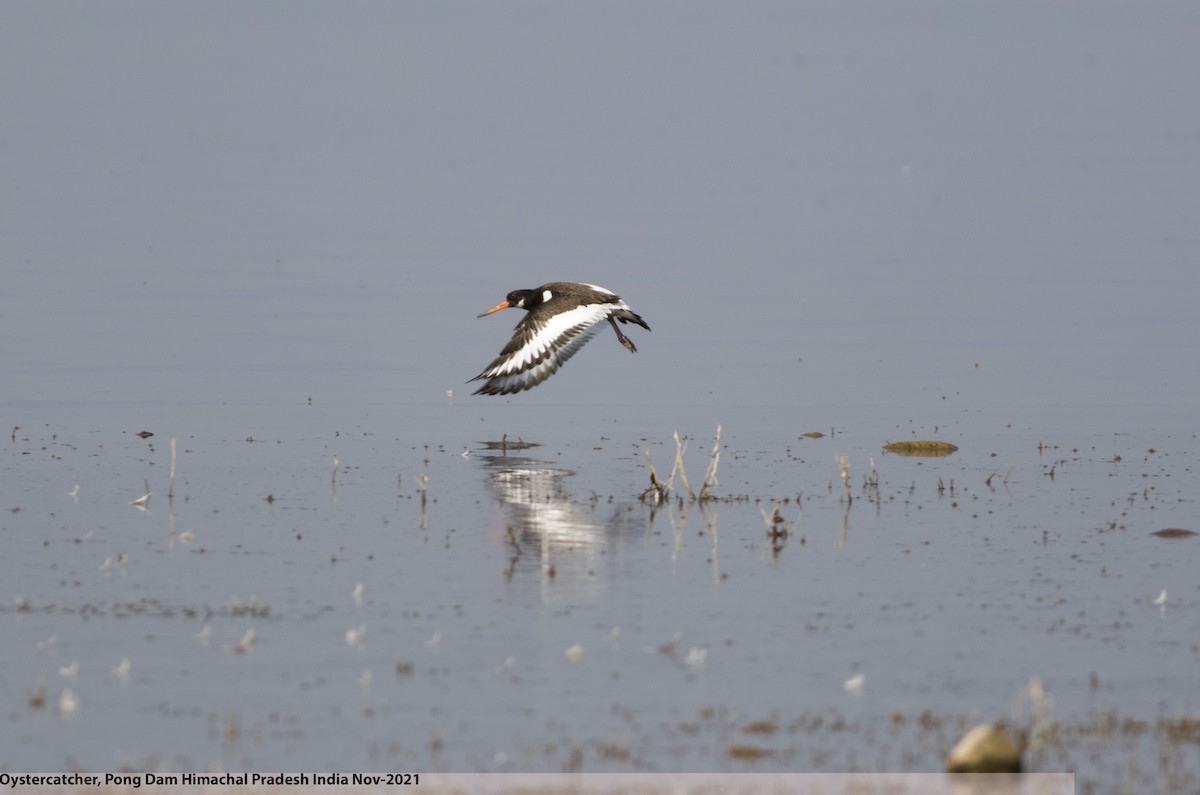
pixel 562 317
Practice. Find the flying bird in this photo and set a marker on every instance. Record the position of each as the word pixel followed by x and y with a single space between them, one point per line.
pixel 562 317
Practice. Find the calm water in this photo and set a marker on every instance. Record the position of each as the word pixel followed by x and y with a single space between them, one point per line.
pixel 265 232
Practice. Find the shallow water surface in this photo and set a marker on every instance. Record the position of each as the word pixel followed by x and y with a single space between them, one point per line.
pixel 526 610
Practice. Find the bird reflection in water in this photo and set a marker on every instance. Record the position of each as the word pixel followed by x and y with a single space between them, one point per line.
pixel 546 529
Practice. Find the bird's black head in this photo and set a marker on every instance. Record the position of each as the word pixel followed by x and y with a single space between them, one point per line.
pixel 517 299
pixel 523 299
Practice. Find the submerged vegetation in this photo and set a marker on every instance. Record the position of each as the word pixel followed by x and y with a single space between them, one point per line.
pixel 659 491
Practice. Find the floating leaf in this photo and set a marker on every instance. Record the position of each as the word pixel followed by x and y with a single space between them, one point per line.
pixel 1173 532
pixel 925 448
pixel 747 752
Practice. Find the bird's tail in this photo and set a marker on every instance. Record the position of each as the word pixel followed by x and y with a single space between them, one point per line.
pixel 629 316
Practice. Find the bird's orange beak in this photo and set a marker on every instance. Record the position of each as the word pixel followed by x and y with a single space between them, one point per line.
pixel 502 305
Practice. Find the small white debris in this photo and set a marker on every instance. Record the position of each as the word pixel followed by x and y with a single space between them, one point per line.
pixel 844 468
pixel 466 453
pixel 854 685
pixel 70 671
pixel 357 594
pixel 187 537
pixel 204 634
pixel 449 393
pixel 74 493
pixel 509 663
pixel 142 501
pixel 1161 600
pixel 122 670
pixel 365 680
pixel 356 637
pixel 67 702
pixel 696 658
pixel 244 645
pixel 574 653
pixel 109 564
pixel 47 644
pixel 434 641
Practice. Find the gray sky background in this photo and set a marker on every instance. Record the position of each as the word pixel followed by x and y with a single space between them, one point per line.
pixel 842 184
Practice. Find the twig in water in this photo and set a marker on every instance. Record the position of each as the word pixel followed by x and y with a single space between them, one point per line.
pixel 778 528
pixel 776 524
pixel 657 493
pixel 710 474
pixel 680 446
pixel 171 483
pixel 422 486
pixel 144 500
pixel 844 470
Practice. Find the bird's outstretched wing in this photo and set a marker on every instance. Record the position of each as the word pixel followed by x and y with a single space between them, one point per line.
pixel 538 348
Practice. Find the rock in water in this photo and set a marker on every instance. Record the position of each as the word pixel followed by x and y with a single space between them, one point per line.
pixel 985 749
